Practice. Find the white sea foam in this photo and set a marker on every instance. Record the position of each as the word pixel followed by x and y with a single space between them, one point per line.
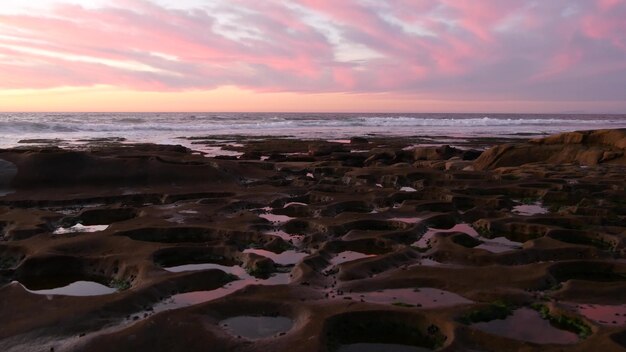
pixel 166 127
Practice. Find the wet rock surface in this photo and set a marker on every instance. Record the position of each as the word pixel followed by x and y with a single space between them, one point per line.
pixel 363 244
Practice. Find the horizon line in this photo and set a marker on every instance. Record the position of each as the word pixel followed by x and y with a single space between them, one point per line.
pixel 310 112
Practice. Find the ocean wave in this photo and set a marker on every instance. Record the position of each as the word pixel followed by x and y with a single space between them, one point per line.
pixel 466 122
pixel 74 123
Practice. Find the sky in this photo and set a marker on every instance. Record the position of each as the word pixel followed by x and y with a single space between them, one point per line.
pixel 314 55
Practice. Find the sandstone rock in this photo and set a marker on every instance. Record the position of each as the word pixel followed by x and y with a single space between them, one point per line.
pixel 471 154
pixel 457 164
pixel 258 265
pixel 435 153
pixel 358 140
pixel 8 170
pixel 130 166
pixel 584 148
pixel 325 149
pixel 386 155
pixel 615 138
pixel 252 155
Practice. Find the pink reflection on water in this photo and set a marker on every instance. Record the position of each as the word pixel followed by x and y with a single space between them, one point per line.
pixel 526 324
pixel 603 314
pixel 408 220
pixel 287 205
pixel 494 245
pixel 295 239
pixel 530 209
pixel 191 298
pixel 78 288
pixel 275 218
pixel 256 327
pixel 290 257
pixel 424 297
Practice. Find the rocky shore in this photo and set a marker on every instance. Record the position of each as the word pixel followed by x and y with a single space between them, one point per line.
pixel 367 244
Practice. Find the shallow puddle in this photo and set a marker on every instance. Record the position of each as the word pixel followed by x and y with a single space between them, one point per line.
pixel 602 314
pixel 290 257
pixel 181 216
pixel 77 288
pixel 212 151
pixel 186 299
pixel 80 228
pixel 526 324
pixel 234 270
pixel 256 327
pixel 498 244
pixel 494 245
pixel 409 220
pixel 275 218
pixel 530 209
pixel 380 347
pixel 294 203
pixel 424 297
pixel 465 228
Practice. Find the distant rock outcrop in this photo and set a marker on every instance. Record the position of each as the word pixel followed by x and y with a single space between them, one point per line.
pixel 583 147
pixel 124 166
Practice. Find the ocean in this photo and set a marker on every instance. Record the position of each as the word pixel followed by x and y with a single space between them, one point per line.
pixel 168 128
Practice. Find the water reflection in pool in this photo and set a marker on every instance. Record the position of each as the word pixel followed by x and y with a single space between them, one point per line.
pixel 256 327
pixel 289 257
pixel 80 228
pixel 536 208
pixel 603 314
pixel 526 324
pixel 77 288
pixel 423 297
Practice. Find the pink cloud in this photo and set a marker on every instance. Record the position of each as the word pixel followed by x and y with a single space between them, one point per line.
pixel 345 78
pixel 461 48
pixel 479 17
pixel 608 23
pixel 606 5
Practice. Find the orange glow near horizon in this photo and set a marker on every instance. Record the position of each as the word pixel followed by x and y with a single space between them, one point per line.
pixel 233 99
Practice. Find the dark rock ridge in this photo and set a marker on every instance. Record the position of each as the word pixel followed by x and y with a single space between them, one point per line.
pixel 124 166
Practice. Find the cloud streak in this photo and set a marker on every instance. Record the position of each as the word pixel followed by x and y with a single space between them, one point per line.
pixel 492 49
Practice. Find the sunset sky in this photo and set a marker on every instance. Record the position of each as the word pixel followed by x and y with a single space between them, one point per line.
pixel 313 55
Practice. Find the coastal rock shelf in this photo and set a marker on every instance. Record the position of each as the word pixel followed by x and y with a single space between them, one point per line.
pixel 374 244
